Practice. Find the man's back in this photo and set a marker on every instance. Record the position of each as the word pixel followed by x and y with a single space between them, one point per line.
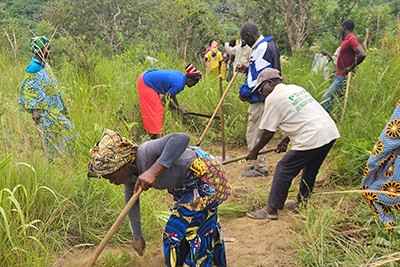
pixel 292 109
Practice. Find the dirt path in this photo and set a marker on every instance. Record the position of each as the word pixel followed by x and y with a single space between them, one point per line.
pixel 259 243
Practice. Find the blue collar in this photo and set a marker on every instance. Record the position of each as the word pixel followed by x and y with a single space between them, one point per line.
pixel 266 39
pixel 35 65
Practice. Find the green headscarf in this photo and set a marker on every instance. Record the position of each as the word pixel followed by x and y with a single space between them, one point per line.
pixel 38 43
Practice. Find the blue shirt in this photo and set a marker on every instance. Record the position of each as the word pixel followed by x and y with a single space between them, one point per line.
pixel 264 54
pixel 165 81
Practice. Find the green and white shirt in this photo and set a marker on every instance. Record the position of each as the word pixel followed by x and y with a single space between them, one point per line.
pixel 292 109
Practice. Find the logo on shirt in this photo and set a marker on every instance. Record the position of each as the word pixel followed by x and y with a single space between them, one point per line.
pixel 300 99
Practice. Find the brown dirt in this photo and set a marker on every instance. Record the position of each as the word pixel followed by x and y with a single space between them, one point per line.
pixel 259 243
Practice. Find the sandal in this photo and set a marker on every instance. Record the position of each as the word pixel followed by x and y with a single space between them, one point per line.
pixel 262 214
pixel 291 205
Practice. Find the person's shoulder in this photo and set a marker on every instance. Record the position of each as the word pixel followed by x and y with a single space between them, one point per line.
pixel 283 90
pixel 164 72
pixel 350 36
pixel 279 91
pixel 34 66
pixel 150 71
pixel 141 148
pixel 244 48
pixel 295 87
pixel 268 39
pixel 284 85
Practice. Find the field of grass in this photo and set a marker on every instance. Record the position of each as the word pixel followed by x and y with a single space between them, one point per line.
pixel 47 207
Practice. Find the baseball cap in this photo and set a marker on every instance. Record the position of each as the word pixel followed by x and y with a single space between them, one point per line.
pixel 266 74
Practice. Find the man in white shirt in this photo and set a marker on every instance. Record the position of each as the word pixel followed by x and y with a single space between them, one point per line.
pixel 309 129
pixel 241 51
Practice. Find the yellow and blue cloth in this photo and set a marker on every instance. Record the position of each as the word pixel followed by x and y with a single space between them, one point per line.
pixel 195 215
pixel 110 154
pixel 382 172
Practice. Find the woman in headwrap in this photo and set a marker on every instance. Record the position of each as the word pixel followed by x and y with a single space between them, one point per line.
pixel 213 60
pixel 40 96
pixel 197 181
pixel 382 172
pixel 169 83
pixel 224 66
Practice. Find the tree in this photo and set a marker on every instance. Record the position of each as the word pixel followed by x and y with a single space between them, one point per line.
pixel 298 19
pixel 193 23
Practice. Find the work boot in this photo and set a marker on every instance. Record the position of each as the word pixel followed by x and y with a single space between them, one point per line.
pixel 255 173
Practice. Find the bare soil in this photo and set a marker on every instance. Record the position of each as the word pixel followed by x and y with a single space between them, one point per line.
pixel 258 243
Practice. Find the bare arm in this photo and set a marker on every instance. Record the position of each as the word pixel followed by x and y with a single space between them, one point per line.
pixel 175 105
pixel 360 56
pixel 283 144
pixel 264 139
pixel 149 177
pixel 326 53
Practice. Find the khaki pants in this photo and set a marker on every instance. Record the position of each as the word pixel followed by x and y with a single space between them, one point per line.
pixel 253 133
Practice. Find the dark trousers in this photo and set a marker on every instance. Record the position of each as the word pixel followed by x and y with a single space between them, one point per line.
pixel 307 161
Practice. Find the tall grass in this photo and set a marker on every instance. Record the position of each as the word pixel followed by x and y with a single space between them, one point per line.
pixel 47 207
pixel 340 230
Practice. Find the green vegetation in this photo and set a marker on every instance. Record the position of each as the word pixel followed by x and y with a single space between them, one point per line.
pixel 47 208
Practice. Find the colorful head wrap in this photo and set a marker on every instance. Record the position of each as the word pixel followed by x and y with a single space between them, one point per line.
pixel 192 72
pixel 110 154
pixel 214 46
pixel 38 43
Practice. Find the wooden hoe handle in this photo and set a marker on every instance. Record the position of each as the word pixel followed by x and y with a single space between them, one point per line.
pixel 115 226
pixel 244 157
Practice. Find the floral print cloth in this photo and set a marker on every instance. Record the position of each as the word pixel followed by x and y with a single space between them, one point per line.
pixel 39 90
pixel 195 215
pixel 382 172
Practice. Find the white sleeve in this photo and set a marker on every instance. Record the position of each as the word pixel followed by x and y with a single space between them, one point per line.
pixel 271 118
pixel 230 50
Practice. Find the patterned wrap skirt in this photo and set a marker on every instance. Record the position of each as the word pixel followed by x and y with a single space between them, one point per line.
pixel 195 215
pixel 382 172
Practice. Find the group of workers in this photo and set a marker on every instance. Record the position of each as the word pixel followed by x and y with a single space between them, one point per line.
pixel 197 180
pixel 222 64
